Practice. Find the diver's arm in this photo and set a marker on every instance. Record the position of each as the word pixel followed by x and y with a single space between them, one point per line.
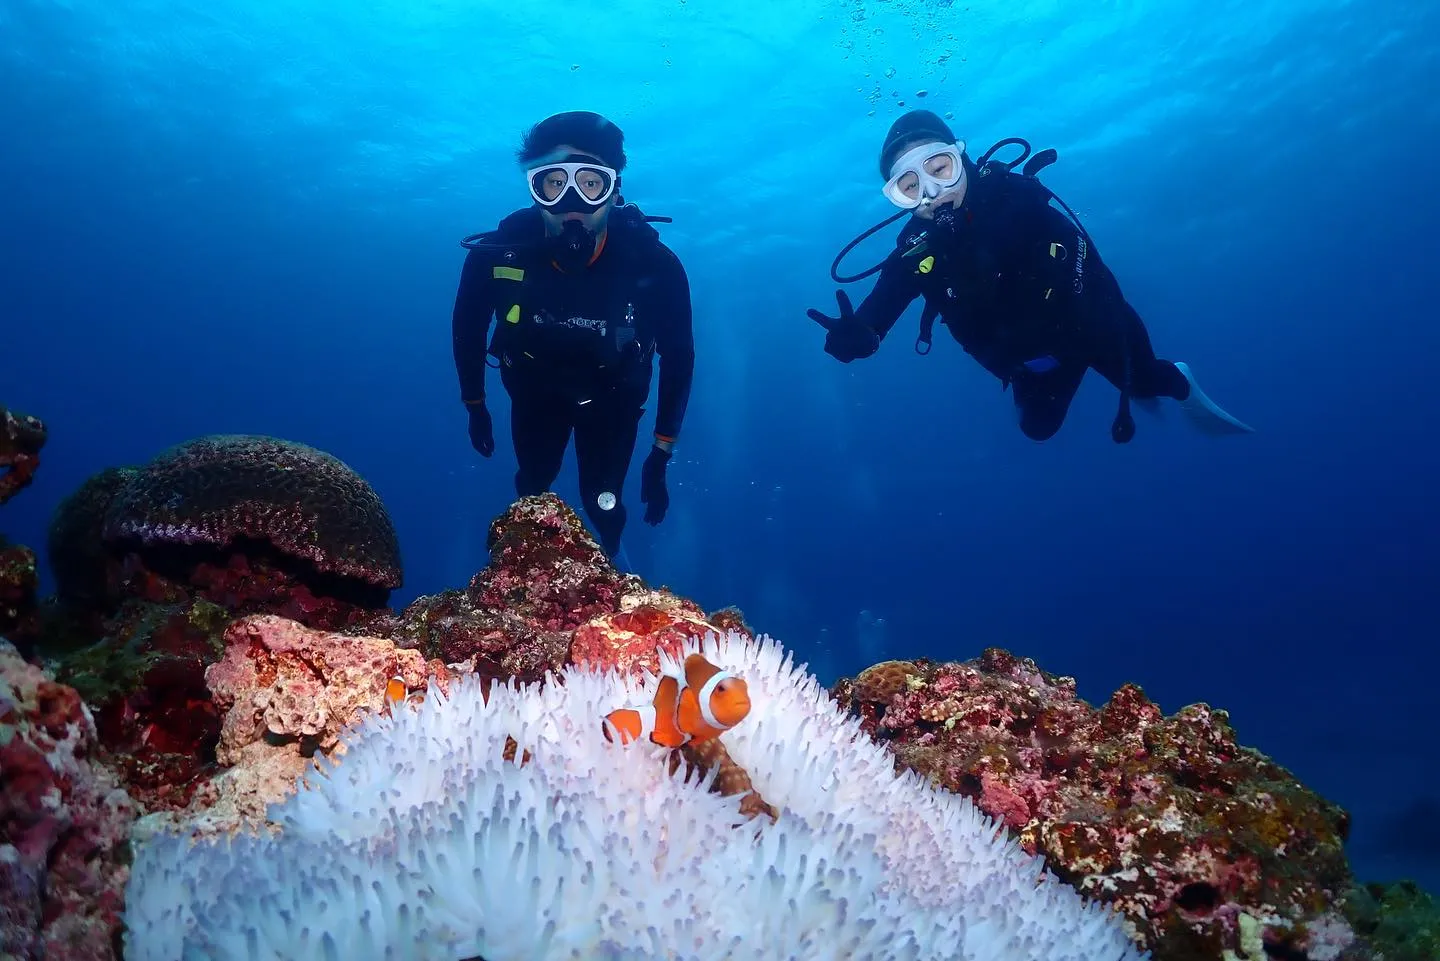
pixel 470 325
pixel 675 344
pixel 894 291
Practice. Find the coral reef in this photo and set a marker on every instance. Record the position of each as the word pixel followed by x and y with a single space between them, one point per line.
pixel 151 563
pixel 1399 921
pixel 632 637
pixel 456 628
pixel 287 684
pixel 78 556
pixel 223 761
pixel 222 494
pixel 549 597
pixel 145 683
pixel 253 524
pixel 284 693
pixel 546 568
pixel 225 673
pixel 243 582
pixel 423 841
pixel 1197 839
pixel 19 581
pixel 64 823
pixel 21 437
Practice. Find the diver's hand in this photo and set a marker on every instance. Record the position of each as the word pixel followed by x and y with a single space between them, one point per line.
pixel 653 493
pixel 846 338
pixel 482 431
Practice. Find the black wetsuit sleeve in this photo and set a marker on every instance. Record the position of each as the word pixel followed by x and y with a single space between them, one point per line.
pixel 675 345
pixel 894 291
pixel 470 325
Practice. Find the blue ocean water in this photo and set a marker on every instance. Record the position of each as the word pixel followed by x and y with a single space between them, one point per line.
pixel 244 217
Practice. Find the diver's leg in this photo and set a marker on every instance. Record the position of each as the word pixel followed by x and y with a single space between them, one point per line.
pixel 1042 399
pixel 1126 343
pixel 605 435
pixel 1150 377
pixel 540 425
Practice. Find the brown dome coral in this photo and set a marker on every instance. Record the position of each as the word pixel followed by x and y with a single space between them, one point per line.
pixel 217 490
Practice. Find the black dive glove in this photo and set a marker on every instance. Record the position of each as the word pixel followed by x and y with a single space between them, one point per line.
pixel 482 432
pixel 846 338
pixel 652 486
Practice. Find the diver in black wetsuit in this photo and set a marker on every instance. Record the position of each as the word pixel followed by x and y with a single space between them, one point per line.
pixel 1020 286
pixel 584 295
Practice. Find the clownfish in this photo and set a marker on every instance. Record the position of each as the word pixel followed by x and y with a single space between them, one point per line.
pixel 396 693
pixel 693 703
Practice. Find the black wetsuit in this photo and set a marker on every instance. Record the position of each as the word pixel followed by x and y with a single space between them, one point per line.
pixel 575 351
pixel 1023 292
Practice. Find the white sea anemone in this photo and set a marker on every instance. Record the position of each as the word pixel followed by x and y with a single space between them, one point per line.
pixel 422 842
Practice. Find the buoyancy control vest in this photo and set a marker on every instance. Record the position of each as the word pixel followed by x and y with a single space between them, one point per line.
pixel 581 334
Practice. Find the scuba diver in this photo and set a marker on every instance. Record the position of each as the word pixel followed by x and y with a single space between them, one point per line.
pixel 1020 286
pixel 584 294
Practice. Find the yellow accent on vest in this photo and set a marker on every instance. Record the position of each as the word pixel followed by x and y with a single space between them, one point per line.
pixel 509 273
pixel 1053 249
pixel 513 315
pixel 927 265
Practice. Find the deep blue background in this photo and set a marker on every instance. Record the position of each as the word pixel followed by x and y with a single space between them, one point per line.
pixel 246 220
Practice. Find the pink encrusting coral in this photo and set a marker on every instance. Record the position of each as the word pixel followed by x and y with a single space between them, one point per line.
pixel 64 823
pixel 632 638
pixel 1168 818
pixel 284 693
pixel 282 682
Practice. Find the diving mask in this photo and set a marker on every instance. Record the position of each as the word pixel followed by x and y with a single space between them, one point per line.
pixel 923 173
pixel 590 182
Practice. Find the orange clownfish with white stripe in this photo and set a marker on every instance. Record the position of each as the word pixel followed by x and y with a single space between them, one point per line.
pixel 397 693
pixel 693 703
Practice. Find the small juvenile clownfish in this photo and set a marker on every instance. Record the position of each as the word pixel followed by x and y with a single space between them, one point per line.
pixel 692 703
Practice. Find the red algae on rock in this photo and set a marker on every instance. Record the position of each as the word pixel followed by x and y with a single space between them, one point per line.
pixel 145 682
pixel 21 437
pixel 1168 818
pixel 549 597
pixel 546 568
pixel 19 581
pixel 631 638
pixel 64 823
